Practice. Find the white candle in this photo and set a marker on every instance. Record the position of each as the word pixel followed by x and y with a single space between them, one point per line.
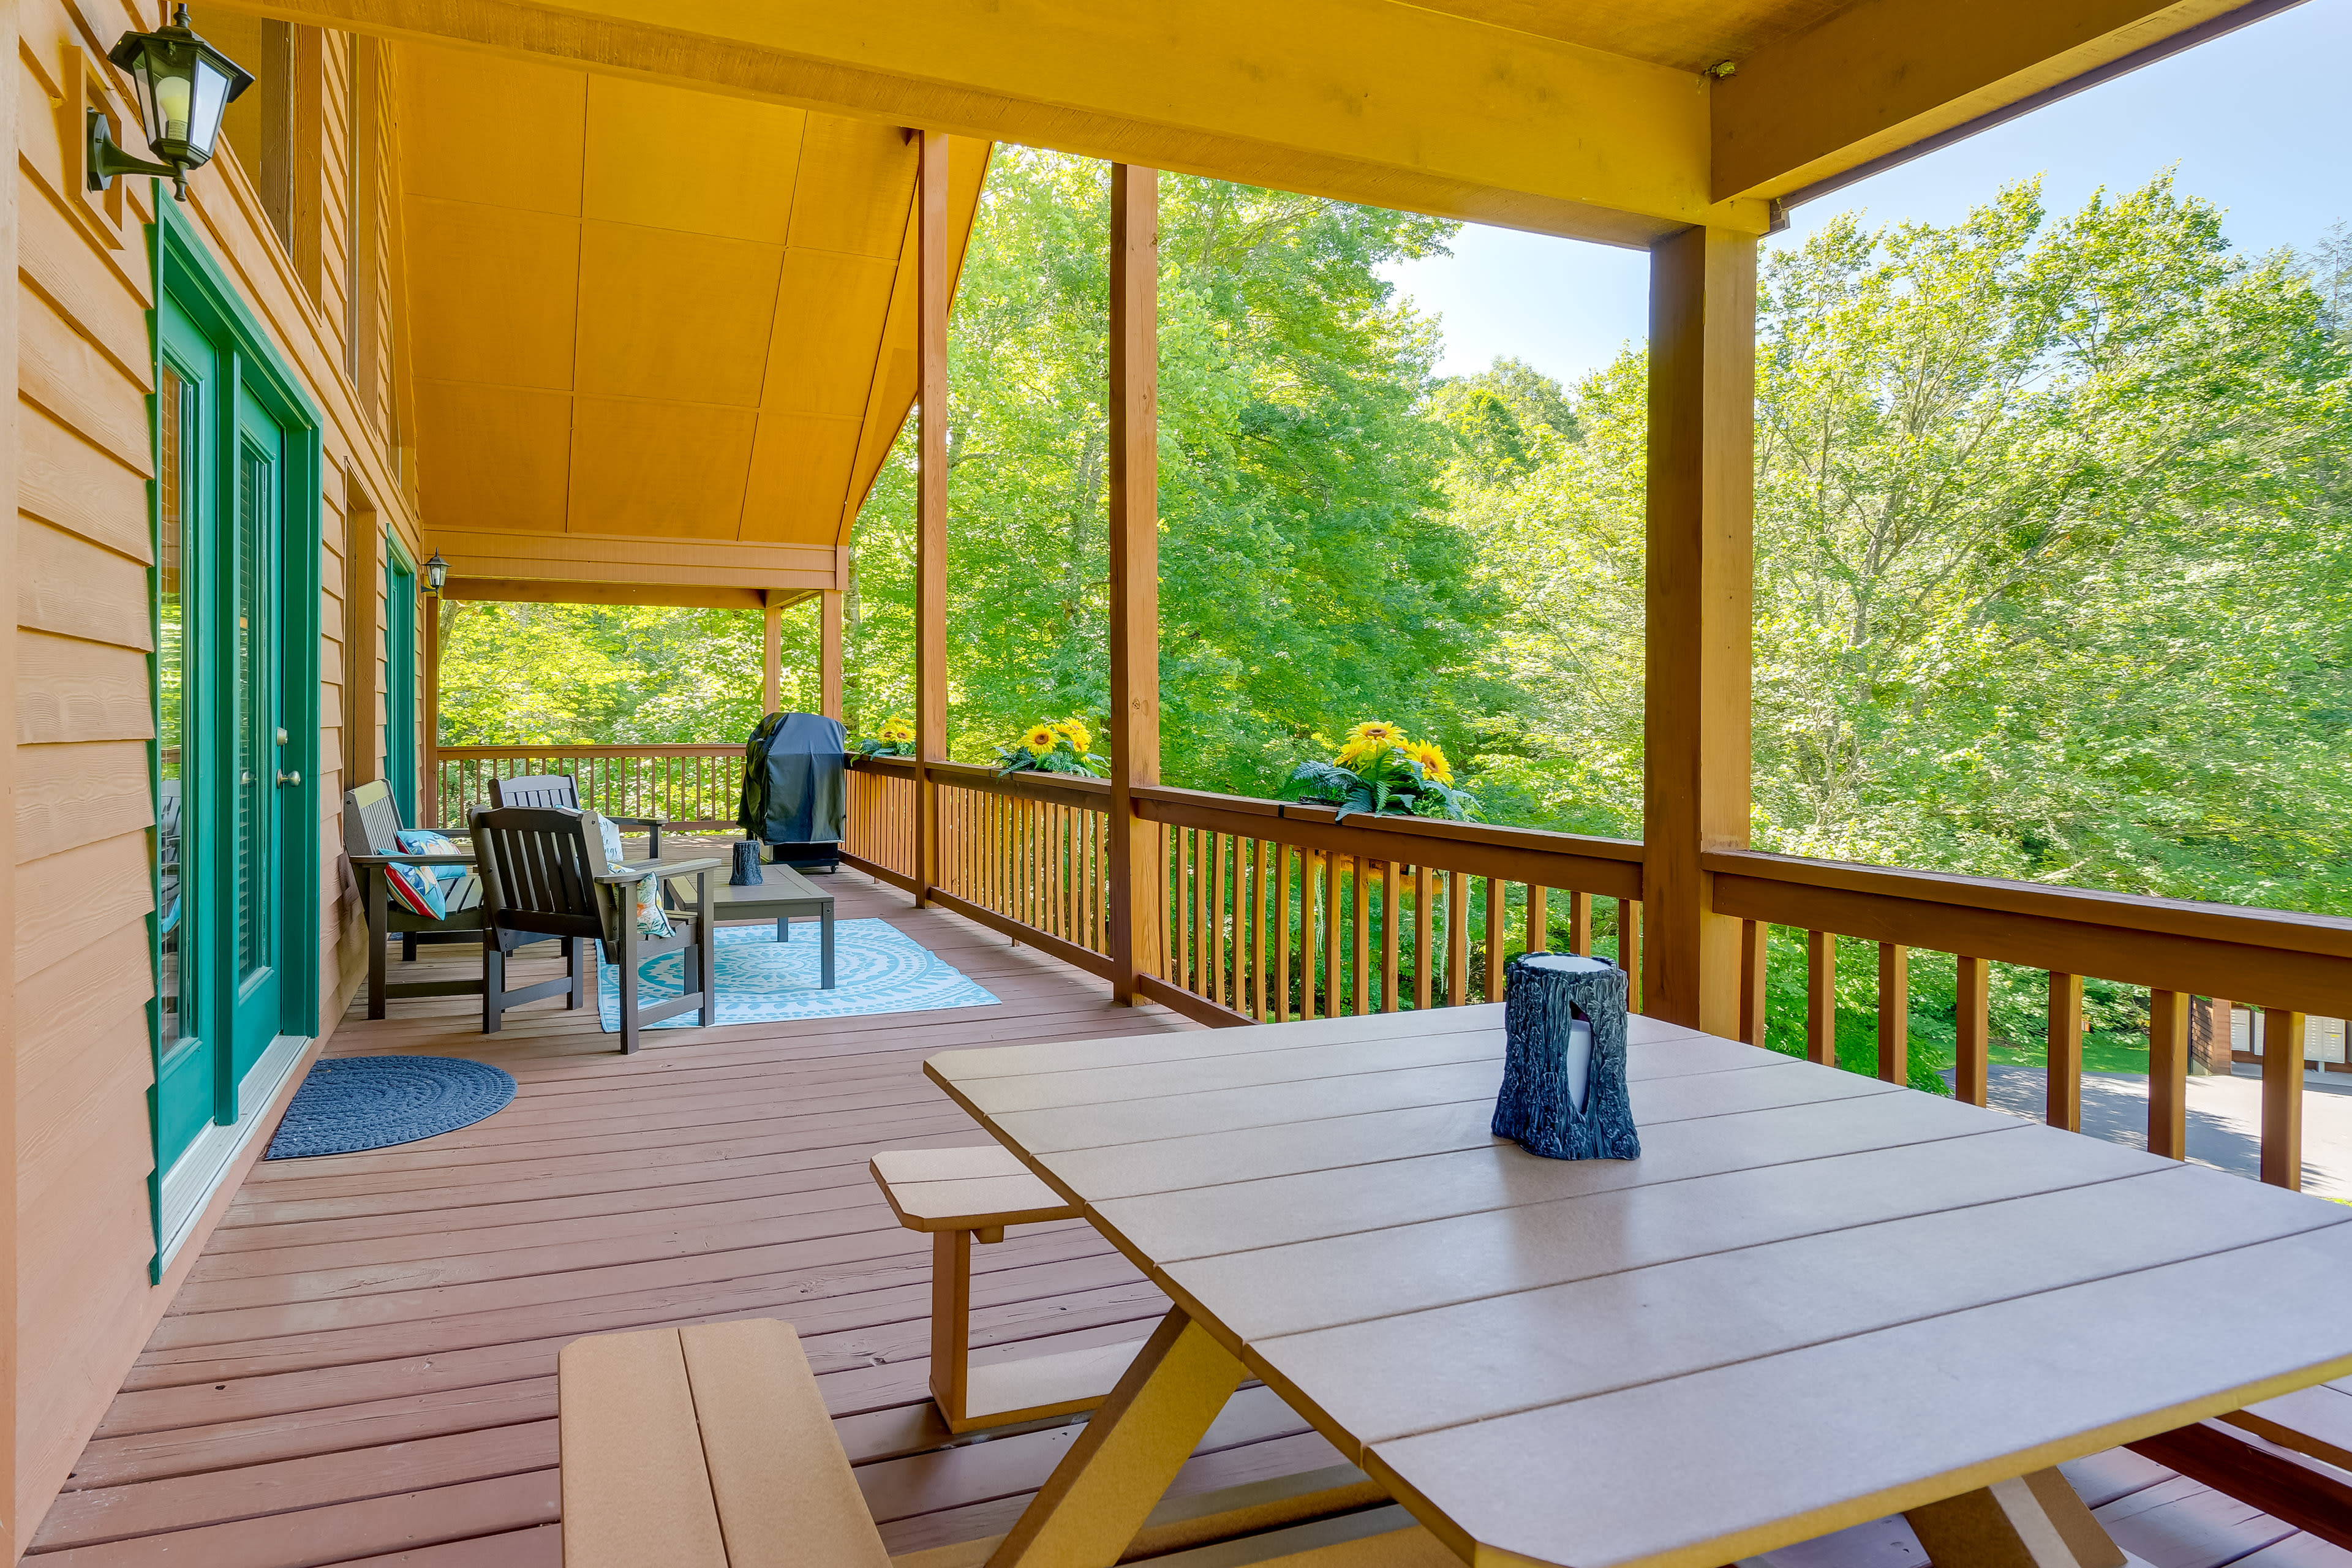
pixel 1580 1062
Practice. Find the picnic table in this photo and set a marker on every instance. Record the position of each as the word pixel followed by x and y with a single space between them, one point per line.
pixel 1815 1299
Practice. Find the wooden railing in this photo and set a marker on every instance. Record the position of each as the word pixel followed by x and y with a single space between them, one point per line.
pixel 693 787
pixel 1279 912
pixel 1274 912
pixel 2290 965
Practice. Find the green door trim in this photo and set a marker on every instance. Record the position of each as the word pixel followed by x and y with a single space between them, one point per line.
pixel 185 272
pixel 400 675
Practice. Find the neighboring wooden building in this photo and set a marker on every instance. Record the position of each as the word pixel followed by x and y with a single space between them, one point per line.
pixel 625 302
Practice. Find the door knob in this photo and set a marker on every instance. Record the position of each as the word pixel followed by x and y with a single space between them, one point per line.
pixel 281 737
pixel 293 778
pixel 247 778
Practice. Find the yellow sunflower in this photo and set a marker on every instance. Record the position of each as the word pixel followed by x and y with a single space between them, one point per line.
pixel 1082 740
pixel 1432 762
pixel 1040 739
pixel 897 729
pixel 1376 733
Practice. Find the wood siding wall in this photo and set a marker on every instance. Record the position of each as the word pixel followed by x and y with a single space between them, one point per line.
pixel 81 710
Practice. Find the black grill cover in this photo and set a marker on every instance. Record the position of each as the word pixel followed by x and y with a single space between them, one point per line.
pixel 793 781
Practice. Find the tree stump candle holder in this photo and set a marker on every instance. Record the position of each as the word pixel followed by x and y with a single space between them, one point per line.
pixel 747 872
pixel 1564 1094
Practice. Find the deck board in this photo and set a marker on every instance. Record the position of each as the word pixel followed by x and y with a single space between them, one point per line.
pixel 361 1367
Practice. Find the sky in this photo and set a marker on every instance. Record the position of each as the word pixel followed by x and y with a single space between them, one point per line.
pixel 2260 122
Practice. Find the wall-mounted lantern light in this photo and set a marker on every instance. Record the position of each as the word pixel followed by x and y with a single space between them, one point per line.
pixel 183 84
pixel 437 571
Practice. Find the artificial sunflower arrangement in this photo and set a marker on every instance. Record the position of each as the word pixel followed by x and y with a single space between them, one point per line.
pixel 1379 769
pixel 1064 746
pixel 895 738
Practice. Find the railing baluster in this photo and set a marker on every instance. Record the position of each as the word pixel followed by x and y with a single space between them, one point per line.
pixel 1974 1034
pixel 1391 928
pixel 1538 920
pixel 1496 915
pixel 1580 923
pixel 2283 1035
pixel 1894 1013
pixel 1360 947
pixel 1423 957
pixel 1220 845
pixel 1458 939
pixel 1331 989
pixel 2063 1097
pixel 1629 950
pixel 1754 938
pixel 1281 932
pixel 2168 1074
pixel 1821 996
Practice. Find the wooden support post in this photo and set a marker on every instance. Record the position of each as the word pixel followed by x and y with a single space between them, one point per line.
pixel 829 651
pixel 771 664
pixel 950 1318
pixel 2168 1074
pixel 1894 1013
pixel 1820 997
pixel 1698 589
pixel 431 812
pixel 930 505
pixel 1139 894
pixel 2062 1095
pixel 1974 1010
pixel 1755 945
pixel 1580 925
pixel 2283 1098
pixel 2222 1042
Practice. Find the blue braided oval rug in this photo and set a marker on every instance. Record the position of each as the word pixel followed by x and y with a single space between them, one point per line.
pixel 350 1103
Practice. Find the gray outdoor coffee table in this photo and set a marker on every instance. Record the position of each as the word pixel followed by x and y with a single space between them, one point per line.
pixel 780 894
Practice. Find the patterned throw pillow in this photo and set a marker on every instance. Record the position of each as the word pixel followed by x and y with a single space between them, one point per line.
pixel 651 921
pixel 424 841
pixel 416 890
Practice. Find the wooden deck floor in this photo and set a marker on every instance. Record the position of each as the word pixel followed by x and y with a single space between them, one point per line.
pixel 362 1366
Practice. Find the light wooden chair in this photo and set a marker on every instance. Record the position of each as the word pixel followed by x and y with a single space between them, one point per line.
pixel 544 874
pixel 960 1196
pixel 707 1446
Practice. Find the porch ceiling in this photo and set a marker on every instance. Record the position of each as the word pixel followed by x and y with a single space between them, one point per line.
pixel 661 335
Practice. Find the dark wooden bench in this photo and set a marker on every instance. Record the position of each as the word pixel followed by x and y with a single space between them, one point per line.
pixel 2289 1456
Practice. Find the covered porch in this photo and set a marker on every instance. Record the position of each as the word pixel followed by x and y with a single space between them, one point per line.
pixel 638 380
pixel 361 1368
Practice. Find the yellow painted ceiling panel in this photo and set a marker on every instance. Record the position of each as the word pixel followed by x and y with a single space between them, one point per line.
pixel 671 315
pixel 800 471
pixel 1687 35
pixel 492 457
pixel 857 187
pixel 477 127
pixel 671 158
pixel 829 316
pixel 665 468
pixel 493 294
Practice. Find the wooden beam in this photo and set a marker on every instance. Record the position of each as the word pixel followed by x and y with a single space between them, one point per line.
pixel 2168 1074
pixel 931 504
pixel 555 557
pixel 1701 566
pixel 1361 100
pixel 1137 885
pixel 1882 76
pixel 541 591
pixel 772 658
pixel 15 1531
pixel 829 651
pixel 362 563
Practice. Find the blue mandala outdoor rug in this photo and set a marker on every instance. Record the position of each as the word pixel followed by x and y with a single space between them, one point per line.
pixel 350 1103
pixel 876 968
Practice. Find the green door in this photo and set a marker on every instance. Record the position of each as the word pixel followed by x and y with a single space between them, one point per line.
pixel 257 696
pixel 224 777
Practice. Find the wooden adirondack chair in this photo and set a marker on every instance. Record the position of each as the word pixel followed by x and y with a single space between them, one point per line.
pixel 371 837
pixel 562 790
pixel 544 874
